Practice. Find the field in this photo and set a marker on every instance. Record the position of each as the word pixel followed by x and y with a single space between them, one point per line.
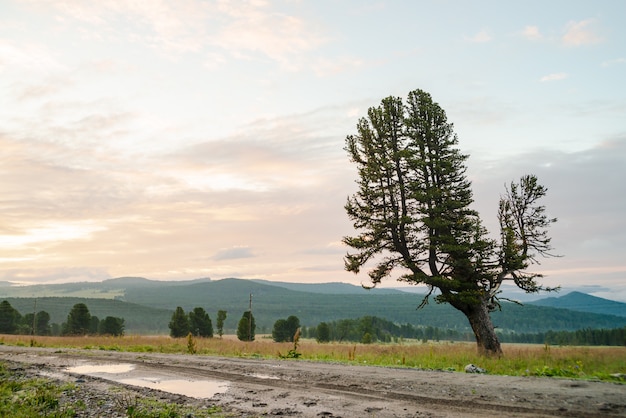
pixel 598 363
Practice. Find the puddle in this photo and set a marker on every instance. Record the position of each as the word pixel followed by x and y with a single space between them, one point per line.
pixel 193 388
pixel 101 368
pixel 265 376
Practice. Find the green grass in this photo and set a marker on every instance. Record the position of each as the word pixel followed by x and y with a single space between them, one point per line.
pixel 603 363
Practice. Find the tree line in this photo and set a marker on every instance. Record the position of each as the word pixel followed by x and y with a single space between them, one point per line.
pixel 79 322
pixel 198 323
pixel 371 329
pixel 367 329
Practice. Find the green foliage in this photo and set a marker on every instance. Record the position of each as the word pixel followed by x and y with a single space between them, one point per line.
pixel 322 333
pixel 285 329
pixel 221 317
pixel 179 324
pixel 412 213
pixel 200 323
pixel 138 319
pixel 78 320
pixel 191 344
pixel 111 326
pixel 10 318
pixel 246 327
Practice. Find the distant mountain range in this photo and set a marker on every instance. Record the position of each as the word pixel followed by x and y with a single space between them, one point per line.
pixel 147 305
pixel 582 302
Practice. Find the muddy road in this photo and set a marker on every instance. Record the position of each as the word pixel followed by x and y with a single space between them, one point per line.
pixel 259 387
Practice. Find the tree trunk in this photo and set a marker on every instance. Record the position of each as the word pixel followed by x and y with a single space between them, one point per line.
pixel 486 339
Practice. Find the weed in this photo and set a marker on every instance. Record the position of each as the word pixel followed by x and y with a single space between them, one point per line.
pixel 191 344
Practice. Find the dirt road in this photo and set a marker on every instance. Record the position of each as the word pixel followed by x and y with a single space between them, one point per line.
pixel 258 387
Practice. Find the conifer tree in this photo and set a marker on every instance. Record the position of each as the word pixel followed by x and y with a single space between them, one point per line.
pixel 413 214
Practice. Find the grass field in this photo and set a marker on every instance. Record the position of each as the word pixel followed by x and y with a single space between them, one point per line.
pixel 604 363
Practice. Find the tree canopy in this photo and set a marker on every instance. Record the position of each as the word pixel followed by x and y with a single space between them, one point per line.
pixel 413 214
pixel 246 327
pixel 78 320
pixel 179 325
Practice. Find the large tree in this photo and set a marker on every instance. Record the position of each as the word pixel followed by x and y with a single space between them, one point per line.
pixel 200 323
pixel 179 324
pixel 9 318
pixel 413 215
pixel 246 327
pixel 78 320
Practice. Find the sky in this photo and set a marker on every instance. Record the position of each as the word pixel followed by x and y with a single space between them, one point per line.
pixel 185 139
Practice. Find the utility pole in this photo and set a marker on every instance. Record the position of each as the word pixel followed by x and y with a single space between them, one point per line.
pixel 250 320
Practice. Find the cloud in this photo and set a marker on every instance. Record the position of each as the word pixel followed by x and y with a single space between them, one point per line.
pixel 554 77
pixel 532 33
pixel 239 30
pixel 233 253
pixel 28 276
pixel 255 29
pixel 480 37
pixel 580 33
pixel 27 57
pixel 587 195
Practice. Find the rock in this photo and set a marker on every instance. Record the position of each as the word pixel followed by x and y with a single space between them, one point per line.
pixel 470 368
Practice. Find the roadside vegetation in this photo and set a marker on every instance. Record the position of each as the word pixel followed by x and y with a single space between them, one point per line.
pixel 603 363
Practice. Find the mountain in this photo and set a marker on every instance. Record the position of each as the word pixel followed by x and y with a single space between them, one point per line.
pixel 312 304
pixel 582 302
pixel 334 288
pixel 272 302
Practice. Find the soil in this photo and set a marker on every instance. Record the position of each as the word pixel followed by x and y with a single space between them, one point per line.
pixel 261 387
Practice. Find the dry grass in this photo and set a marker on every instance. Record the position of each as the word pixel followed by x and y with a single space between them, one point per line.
pixel 538 360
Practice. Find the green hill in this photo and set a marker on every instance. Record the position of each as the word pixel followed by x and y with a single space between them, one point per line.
pixel 147 305
pixel 270 303
pixel 582 302
pixel 137 319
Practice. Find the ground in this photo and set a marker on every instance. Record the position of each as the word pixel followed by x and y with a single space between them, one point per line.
pixel 260 387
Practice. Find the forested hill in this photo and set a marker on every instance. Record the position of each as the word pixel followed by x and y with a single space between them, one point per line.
pixel 271 302
pixel 582 302
pixel 312 304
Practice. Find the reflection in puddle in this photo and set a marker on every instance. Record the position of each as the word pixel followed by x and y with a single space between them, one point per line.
pixel 191 388
pixel 101 368
pixel 265 376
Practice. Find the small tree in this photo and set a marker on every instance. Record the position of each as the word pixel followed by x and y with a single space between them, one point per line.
pixel 200 323
pixel 42 323
pixel 221 317
pixel 179 324
pixel 323 333
pixel 246 327
pixel 78 320
pixel 10 318
pixel 279 332
pixel 285 329
pixel 112 326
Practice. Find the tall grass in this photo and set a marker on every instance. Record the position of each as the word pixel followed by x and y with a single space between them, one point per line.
pixel 605 363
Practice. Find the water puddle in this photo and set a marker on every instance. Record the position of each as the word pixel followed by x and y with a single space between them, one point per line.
pixel 101 368
pixel 192 388
pixel 265 376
